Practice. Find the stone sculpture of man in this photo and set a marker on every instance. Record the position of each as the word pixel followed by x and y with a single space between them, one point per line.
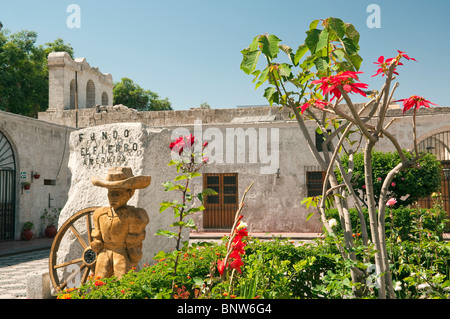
pixel 118 229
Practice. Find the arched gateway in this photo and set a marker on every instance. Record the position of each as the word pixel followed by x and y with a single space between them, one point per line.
pixel 7 189
pixel 439 145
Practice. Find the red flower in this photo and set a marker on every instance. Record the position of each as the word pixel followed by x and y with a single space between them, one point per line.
pixel 181 142
pixel 402 54
pixel 99 283
pixel 330 84
pixel 313 102
pixel 236 264
pixel 238 248
pixel 384 65
pixel 414 101
pixel 240 234
pixel 221 267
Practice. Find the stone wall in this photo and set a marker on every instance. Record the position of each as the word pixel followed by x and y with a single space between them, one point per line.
pixel 66 76
pixel 123 114
pixel 39 147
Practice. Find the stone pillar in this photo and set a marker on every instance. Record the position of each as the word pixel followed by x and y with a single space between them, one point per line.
pixel 146 150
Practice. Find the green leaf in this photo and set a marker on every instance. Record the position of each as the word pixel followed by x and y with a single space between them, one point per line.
pixel 195 209
pixel 180 177
pixel 350 46
pixel 285 70
pixel 356 60
pixel 321 64
pixel 309 216
pixel 173 162
pixel 269 45
pixel 322 40
pixel 351 32
pixel 263 77
pixel 288 50
pixel 311 39
pixel 190 224
pixel 301 51
pixel 250 60
pixel 313 24
pixel 269 94
pixel 194 174
pixel 209 191
pixel 338 26
pixel 178 224
pixel 166 233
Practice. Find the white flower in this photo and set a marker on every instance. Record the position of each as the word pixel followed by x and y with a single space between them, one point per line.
pixel 398 286
pixel 424 286
pixel 241 225
pixel 332 222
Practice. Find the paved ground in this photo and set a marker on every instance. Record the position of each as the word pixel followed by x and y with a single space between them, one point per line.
pixel 14 270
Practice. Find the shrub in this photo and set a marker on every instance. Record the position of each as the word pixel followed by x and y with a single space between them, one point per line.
pixel 416 182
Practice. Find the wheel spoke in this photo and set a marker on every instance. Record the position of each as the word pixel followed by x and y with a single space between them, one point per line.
pixel 89 226
pixel 77 234
pixel 85 275
pixel 56 276
pixel 71 276
pixel 75 261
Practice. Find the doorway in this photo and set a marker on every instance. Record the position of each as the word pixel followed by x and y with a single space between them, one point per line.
pixel 220 209
pixel 7 189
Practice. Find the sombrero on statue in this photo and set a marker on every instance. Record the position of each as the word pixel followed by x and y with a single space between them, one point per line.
pixel 121 177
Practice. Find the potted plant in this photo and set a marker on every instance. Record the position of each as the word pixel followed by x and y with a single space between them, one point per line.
pixel 27 234
pixel 26 185
pixel 50 219
pixel 36 175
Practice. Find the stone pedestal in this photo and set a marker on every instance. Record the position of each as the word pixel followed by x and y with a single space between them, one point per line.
pixel 146 150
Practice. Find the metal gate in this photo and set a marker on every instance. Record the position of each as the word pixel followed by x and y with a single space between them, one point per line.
pixel 220 209
pixel 7 189
pixel 439 145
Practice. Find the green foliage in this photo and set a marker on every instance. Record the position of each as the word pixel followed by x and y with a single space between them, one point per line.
pixel 24 72
pixel 416 182
pixel 128 93
pixel 334 47
pixel 277 269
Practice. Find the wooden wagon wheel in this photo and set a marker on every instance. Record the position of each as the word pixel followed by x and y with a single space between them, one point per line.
pixel 61 274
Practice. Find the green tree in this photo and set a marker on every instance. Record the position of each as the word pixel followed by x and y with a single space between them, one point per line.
pixel 24 72
pixel 407 186
pixel 128 93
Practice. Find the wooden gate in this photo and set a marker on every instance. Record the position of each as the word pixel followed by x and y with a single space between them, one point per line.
pixel 7 189
pixel 220 209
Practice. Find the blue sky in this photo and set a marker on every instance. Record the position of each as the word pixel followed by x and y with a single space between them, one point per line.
pixel 189 51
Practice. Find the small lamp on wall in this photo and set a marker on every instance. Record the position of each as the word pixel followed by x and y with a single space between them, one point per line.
pixel 446 172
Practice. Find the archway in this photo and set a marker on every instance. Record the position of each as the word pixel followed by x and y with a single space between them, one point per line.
pixel 90 94
pixel 7 189
pixel 438 144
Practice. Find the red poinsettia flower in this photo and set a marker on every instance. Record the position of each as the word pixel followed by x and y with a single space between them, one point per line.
pixel 414 101
pixel 402 54
pixel 384 65
pixel 330 84
pixel 313 102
